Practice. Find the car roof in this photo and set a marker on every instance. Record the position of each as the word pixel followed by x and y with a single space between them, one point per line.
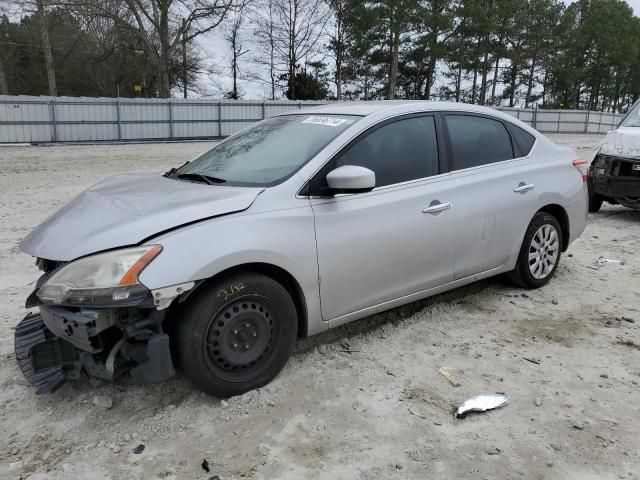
pixel 365 108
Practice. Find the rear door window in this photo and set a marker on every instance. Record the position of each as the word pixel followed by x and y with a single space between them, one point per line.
pixel 477 141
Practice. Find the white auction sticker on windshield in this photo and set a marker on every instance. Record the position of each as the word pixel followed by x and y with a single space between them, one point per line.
pixel 328 121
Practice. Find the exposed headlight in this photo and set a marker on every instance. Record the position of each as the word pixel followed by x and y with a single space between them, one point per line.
pixel 103 279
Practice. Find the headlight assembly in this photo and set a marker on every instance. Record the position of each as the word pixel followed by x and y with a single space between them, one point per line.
pixel 100 280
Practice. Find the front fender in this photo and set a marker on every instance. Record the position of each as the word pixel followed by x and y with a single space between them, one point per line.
pixel 283 238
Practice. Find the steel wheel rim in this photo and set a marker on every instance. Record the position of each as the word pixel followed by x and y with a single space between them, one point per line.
pixel 239 337
pixel 543 251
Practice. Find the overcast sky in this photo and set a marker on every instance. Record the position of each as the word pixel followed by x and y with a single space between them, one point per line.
pixel 216 56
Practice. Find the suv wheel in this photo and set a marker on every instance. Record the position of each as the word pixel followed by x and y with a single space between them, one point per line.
pixel 540 252
pixel 595 201
pixel 236 335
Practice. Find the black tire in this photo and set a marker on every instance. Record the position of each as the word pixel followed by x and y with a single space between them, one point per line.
pixel 236 334
pixel 595 201
pixel 522 274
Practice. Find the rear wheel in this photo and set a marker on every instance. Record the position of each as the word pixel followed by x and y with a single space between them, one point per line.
pixel 236 335
pixel 540 252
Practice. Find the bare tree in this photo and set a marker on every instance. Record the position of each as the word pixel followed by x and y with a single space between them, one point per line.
pixel 38 7
pixel 46 49
pixel 233 37
pixel 338 39
pixel 264 30
pixel 298 27
pixel 159 26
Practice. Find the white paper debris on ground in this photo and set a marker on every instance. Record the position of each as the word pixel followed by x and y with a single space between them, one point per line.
pixel 483 402
pixel 600 261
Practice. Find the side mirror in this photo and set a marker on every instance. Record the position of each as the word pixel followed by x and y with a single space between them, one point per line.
pixel 351 179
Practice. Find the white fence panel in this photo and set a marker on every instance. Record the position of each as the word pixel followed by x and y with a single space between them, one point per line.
pixel 81 119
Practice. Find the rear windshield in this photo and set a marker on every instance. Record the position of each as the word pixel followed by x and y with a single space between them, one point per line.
pixel 270 151
pixel 633 117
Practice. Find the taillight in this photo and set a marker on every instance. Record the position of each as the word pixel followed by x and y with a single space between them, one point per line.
pixel 583 168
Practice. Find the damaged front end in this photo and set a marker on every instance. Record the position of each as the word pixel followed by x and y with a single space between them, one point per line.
pixel 89 325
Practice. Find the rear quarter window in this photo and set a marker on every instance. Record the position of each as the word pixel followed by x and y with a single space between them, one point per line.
pixel 523 138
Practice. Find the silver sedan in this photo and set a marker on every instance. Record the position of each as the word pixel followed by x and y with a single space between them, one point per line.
pixel 295 225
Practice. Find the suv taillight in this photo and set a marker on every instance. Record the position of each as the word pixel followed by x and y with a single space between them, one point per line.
pixel 583 168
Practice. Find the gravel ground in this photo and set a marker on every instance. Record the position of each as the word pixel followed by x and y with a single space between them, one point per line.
pixel 379 411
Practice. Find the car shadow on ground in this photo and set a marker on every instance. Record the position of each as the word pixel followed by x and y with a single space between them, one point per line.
pixel 617 211
pixel 396 315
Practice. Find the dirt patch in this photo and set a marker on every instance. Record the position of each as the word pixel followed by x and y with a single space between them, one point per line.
pixel 628 343
pixel 559 329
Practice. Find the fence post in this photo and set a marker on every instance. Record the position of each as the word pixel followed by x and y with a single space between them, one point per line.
pixel 600 122
pixel 559 118
pixel 586 122
pixel 118 119
pixel 54 121
pixel 170 121
pixel 299 105
pixel 263 110
pixel 220 119
pixel 534 120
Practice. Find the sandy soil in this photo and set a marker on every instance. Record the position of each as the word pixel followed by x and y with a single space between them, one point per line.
pixel 381 411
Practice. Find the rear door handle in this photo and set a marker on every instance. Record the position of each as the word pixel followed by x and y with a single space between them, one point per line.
pixel 523 187
pixel 436 207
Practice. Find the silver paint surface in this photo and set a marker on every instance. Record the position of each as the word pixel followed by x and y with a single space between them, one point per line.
pixel 125 209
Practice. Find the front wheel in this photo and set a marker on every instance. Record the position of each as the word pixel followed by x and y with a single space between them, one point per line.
pixel 236 334
pixel 540 252
pixel 595 201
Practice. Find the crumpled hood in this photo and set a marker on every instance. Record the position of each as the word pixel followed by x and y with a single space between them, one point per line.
pixel 126 209
pixel 623 142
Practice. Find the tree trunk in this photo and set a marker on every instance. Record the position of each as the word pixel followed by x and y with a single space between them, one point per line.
pixel 473 90
pixel 272 72
pixel 292 80
pixel 483 91
pixel 530 82
pixel 393 71
pixel 458 82
pixel 495 81
pixel 163 67
pixel 366 85
pixel 46 50
pixel 430 74
pixel 544 86
pixel 184 59
pixel 339 52
pixel 514 76
pixel 234 94
pixel 616 94
pixel 4 89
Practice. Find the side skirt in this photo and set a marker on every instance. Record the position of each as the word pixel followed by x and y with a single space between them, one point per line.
pixel 381 307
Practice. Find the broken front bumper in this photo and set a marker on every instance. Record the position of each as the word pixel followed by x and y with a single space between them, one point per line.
pixel 615 178
pixel 59 344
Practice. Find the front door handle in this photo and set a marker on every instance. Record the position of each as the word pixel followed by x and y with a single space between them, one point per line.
pixel 436 207
pixel 523 187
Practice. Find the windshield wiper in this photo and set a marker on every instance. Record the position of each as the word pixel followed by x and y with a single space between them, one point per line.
pixel 173 170
pixel 208 179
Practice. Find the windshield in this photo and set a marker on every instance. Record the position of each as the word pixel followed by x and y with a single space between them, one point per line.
pixel 268 152
pixel 633 117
